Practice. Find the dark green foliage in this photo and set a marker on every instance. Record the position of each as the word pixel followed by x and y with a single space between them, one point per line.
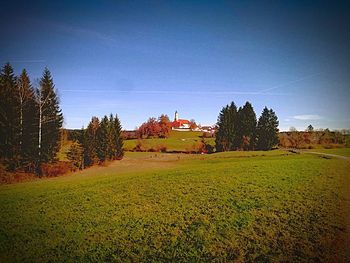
pixel 103 146
pixel 310 128
pixel 246 126
pixel 50 118
pixel 9 119
pixel 267 130
pixel 117 138
pixel 226 137
pixel 89 142
pixel 76 156
pixel 28 120
pixel 102 140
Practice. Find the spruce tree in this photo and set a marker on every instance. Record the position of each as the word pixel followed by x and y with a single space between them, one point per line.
pixel 76 156
pixel 246 126
pixel 102 140
pixel 226 125
pixel 9 119
pixel 50 118
pixel 118 139
pixel 28 128
pixel 89 142
pixel 267 130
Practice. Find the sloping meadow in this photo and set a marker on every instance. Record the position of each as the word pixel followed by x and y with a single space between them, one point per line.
pixel 258 206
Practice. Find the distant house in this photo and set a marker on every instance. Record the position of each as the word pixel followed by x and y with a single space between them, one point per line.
pixel 180 124
pixel 208 129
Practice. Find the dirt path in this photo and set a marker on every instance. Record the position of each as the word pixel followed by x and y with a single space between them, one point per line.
pixel 329 155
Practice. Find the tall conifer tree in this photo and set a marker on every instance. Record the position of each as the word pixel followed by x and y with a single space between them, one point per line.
pixel 118 139
pixel 9 119
pixel 28 128
pixel 246 127
pixel 50 118
pixel 226 125
pixel 267 130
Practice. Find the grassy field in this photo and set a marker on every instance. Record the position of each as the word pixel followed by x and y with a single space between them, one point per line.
pixel 177 141
pixel 337 151
pixel 239 206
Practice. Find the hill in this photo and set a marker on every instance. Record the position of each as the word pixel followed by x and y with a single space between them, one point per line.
pixel 243 206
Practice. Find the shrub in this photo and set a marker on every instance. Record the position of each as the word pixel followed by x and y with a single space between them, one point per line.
pixel 161 148
pixel 55 169
pixel 140 146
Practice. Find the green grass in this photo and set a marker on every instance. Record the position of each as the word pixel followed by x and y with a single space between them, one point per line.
pixel 337 151
pixel 257 206
pixel 177 141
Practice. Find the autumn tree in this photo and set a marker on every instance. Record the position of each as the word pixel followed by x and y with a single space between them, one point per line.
pixel 149 129
pixel 164 125
pixel 193 124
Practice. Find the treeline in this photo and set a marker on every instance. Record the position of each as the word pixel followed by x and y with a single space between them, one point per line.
pixel 30 120
pixel 238 129
pixel 311 138
pixel 99 142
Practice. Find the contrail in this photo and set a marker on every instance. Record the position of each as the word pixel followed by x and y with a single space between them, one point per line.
pixel 175 92
pixel 28 61
pixel 289 83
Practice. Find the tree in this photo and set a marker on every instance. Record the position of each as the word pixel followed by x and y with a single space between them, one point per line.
pixel 27 120
pixel 89 142
pixel 310 128
pixel 118 139
pixel 76 156
pixel 50 118
pixel 246 127
pixel 165 126
pixel 267 130
pixel 226 135
pixel 149 129
pixel 193 124
pixel 103 150
pixel 9 119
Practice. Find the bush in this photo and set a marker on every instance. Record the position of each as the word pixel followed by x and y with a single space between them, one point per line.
pixel 55 169
pixel 161 148
pixel 140 146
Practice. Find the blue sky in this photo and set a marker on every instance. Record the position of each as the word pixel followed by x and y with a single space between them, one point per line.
pixel 144 58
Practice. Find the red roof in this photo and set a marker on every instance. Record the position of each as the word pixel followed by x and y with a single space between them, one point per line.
pixel 179 123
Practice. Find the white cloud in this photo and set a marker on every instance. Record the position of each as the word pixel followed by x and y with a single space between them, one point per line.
pixel 307 117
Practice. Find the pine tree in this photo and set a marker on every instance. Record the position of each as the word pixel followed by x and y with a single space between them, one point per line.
pixel 9 119
pixel 246 127
pixel 118 139
pixel 267 130
pixel 89 142
pixel 102 140
pixel 226 137
pixel 76 156
pixel 50 119
pixel 28 131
